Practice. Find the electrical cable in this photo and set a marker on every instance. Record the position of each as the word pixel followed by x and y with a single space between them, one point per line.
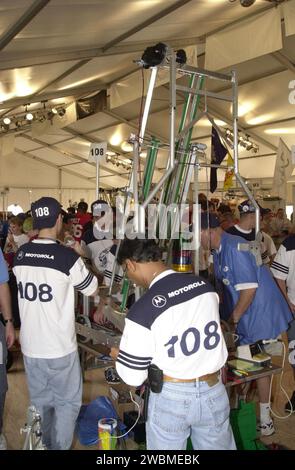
pixel 133 425
pixel 282 388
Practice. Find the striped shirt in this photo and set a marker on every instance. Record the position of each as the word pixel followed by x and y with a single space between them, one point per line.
pixel 47 274
pixel 283 266
pixel 174 325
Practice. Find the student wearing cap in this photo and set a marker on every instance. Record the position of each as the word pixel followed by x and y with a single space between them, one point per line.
pixel 245 228
pixel 47 274
pixel 97 240
pixel 98 244
pixel 251 298
pixel 175 326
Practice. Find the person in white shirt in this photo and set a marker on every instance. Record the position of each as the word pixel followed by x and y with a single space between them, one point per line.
pixel 174 328
pixel 283 269
pixel 47 274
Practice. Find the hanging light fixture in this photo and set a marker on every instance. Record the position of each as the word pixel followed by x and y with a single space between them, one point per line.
pixel 29 116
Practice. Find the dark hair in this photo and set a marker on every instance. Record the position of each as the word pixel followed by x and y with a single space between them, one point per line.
pixel 224 209
pixel 82 206
pixel 141 251
pixel 71 210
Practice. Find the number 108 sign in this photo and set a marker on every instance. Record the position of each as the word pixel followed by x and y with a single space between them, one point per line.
pixel 97 152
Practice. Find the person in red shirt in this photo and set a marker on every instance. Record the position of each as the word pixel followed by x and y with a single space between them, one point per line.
pixel 78 223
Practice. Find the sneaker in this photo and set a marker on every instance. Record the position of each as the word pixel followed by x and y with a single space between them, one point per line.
pixel 288 406
pixel 111 376
pixel 266 429
pixel 3 443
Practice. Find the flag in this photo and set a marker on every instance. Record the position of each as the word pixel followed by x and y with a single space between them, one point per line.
pixel 218 152
pixel 228 179
pixel 283 171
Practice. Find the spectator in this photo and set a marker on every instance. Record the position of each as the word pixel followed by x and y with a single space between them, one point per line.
pixel 47 274
pixel 251 299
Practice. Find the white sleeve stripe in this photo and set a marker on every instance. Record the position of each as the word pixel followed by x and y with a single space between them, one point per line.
pixel 246 285
pixel 129 361
pixel 131 366
pixel 87 281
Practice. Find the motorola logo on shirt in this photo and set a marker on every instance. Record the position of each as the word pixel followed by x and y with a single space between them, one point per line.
pixel 159 301
pixel 20 255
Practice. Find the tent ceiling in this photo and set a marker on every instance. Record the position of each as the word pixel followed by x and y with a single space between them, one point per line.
pixel 62 50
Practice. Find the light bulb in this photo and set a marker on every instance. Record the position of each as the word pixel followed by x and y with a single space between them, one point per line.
pixel 29 117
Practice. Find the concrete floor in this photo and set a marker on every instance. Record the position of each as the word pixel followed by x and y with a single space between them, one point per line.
pixel 17 402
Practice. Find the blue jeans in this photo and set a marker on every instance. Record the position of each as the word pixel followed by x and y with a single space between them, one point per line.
pixel 192 409
pixel 55 387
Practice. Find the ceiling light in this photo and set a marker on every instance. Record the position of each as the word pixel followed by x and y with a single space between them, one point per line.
pixel 247 3
pixel 29 117
pixel 54 111
pixel 61 112
pixel 126 147
pixel 7 121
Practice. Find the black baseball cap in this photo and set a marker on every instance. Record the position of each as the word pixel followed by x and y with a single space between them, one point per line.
pixel 209 221
pixel 247 207
pixel 45 212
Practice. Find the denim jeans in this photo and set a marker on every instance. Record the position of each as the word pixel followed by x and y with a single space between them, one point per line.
pixel 192 409
pixel 55 387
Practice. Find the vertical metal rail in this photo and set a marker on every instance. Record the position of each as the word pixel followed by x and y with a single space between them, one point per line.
pixel 236 150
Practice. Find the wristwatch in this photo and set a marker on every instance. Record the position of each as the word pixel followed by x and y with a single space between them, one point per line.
pixel 8 320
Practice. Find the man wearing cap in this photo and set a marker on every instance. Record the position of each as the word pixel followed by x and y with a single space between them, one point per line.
pixel 174 329
pixel 99 246
pixel 47 274
pixel 251 298
pixel 97 241
pixel 246 229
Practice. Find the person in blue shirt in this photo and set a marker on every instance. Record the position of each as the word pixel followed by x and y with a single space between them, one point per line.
pixel 252 300
pixel 7 337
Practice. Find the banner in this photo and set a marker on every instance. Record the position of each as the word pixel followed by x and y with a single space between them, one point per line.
pixel 283 171
pixel 7 144
pixel 218 152
pixel 256 36
pixel 289 17
pixel 228 179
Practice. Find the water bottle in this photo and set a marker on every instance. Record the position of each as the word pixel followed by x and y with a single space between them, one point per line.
pixel 107 429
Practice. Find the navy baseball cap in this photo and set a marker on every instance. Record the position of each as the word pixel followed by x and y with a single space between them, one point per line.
pixel 99 207
pixel 45 212
pixel 209 221
pixel 247 207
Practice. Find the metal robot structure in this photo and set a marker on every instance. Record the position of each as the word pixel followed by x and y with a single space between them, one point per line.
pixel 184 161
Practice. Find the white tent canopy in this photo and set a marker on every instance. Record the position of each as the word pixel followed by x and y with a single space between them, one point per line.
pixel 56 52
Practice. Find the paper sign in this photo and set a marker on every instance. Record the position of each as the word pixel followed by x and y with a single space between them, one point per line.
pixel 97 152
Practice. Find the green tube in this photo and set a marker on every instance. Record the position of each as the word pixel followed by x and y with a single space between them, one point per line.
pixel 195 106
pixel 124 292
pixel 181 127
pixel 150 167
